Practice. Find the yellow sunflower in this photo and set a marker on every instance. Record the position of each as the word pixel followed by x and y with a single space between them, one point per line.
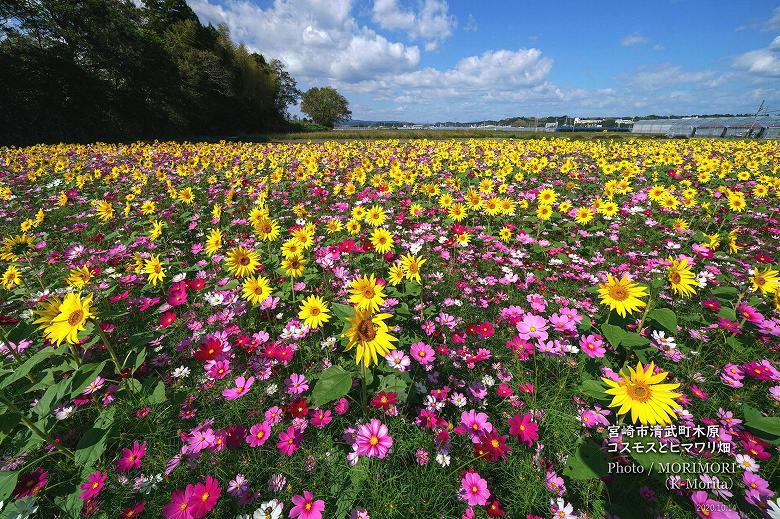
pixel 681 277
pixel 767 281
pixel 242 262
pixel 411 266
pixel 213 242
pixel 369 333
pixel 294 266
pixel 79 277
pixel 72 316
pixel 382 240
pixel 314 312
pixel 256 289
pixel 11 278
pixel 622 295
pixel 154 269
pixel 366 293
pixel 642 393
pixel 15 247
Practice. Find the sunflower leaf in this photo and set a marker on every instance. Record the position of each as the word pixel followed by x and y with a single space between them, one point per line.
pixel 666 318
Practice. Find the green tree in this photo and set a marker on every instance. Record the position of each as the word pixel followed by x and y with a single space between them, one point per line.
pixel 286 92
pixel 325 106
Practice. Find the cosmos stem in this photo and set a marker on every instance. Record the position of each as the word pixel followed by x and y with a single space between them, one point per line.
pixel 35 430
pixel 110 348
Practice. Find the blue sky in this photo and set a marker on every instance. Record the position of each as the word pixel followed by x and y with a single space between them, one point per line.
pixel 435 60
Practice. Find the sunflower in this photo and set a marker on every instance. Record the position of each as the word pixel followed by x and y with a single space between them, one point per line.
pixel 369 333
pixel 396 274
pixel 294 266
pixel 242 262
pixel 546 196
pixel 104 210
pixel 353 227
pixel 767 281
pixel 681 277
pixel 186 195
pixel 213 242
pixel 267 229
pixel 156 230
pixel 70 320
pixel 148 208
pixel 375 216
pixel 15 247
pixel 292 247
pixel 304 236
pixel 314 312
pixel 411 266
pixel 79 277
pixel 544 212
pixel 737 202
pixel 256 289
pixel 584 215
pixel 641 392
pixel 11 278
pixel 382 240
pixel 457 212
pixel 154 269
pixel 366 293
pixel 46 311
pixel 622 295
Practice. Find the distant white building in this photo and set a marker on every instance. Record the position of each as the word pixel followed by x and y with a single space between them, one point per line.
pixel 587 122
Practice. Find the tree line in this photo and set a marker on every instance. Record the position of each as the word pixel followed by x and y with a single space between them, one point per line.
pixel 85 70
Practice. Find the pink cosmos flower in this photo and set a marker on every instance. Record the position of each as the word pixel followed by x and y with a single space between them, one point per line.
pixel 747 312
pixel 474 424
pixel 201 439
pixel 242 387
pixel 94 484
pixel 474 489
pixel 592 346
pixel 273 415
pixel 320 418
pixel 258 434
pixel 532 326
pixel 422 353
pixel 522 428
pixel 296 384
pixel 306 508
pixel 217 369
pixel 180 505
pixel 131 458
pixel 373 440
pixel 289 441
pixel 341 406
pixel 204 497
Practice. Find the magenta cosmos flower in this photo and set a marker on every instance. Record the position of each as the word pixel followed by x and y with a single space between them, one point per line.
pixel 711 509
pixel 373 440
pixel 474 489
pixel 289 441
pixel 296 384
pixel 522 428
pixel 131 458
pixel 242 387
pixel 474 424
pixel 306 508
pixel 204 497
pixel 258 434
pixel 422 353
pixel 532 327
pixel 180 505
pixel 94 484
pixel 593 346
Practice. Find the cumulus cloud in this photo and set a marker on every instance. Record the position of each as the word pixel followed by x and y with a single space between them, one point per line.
pixel 761 62
pixel 773 23
pixel 632 40
pixel 431 22
pixel 316 39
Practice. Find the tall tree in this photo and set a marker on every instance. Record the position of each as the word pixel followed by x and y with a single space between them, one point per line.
pixel 325 106
pixel 286 93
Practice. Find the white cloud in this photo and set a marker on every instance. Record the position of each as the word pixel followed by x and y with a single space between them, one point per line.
pixel 761 62
pixel 316 39
pixel 774 21
pixel 432 23
pixel 665 75
pixel 633 39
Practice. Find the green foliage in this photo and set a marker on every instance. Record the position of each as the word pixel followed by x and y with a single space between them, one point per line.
pixel 325 106
pixel 588 461
pixel 666 318
pixel 119 70
pixel 332 384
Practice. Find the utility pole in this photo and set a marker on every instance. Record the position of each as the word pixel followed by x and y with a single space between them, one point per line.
pixel 755 118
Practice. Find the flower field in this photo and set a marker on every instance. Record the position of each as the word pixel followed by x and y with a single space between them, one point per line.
pixel 481 328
